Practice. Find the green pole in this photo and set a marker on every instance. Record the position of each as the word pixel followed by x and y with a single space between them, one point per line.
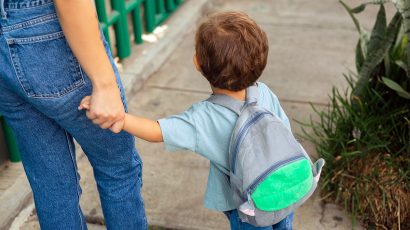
pixel 103 17
pixel 134 7
pixel 11 143
pixel 170 5
pixel 149 9
pixel 121 29
pixel 160 6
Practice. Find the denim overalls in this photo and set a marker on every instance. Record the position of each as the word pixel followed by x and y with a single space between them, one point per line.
pixel 41 86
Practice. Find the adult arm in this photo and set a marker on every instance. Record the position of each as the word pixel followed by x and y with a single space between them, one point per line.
pixel 80 26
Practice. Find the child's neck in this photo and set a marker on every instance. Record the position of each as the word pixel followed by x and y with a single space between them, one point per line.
pixel 238 95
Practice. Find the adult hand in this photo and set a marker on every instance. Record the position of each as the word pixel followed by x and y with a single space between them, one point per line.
pixel 104 108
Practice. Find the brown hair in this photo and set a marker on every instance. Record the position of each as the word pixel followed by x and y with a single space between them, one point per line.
pixel 231 50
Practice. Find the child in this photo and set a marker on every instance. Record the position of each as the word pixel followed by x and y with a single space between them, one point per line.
pixel 231 53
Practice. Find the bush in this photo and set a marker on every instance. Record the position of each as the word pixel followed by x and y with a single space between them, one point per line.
pixel 364 134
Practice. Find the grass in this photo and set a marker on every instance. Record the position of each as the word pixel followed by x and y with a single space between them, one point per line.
pixel 367 151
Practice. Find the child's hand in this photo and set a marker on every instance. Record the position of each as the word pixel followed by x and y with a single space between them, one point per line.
pixel 85 104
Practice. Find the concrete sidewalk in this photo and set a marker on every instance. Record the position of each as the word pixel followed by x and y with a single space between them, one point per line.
pixel 311 45
pixel 309 51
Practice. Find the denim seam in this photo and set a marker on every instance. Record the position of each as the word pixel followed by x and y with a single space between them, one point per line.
pixel 14 64
pixel 16 7
pixel 76 176
pixel 32 22
pixel 76 85
pixel 139 162
pixel 31 40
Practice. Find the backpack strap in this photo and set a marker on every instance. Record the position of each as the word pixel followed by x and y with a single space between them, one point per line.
pixel 252 95
pixel 227 102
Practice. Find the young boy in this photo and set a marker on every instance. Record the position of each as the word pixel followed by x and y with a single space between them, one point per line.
pixel 231 53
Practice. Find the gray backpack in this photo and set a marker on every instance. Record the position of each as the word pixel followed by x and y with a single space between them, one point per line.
pixel 270 172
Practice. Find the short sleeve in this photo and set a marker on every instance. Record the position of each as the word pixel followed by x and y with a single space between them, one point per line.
pixel 179 131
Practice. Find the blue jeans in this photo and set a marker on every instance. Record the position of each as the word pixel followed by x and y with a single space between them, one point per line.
pixel 237 224
pixel 41 86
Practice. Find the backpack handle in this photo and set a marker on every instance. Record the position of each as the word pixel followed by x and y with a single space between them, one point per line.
pixel 236 106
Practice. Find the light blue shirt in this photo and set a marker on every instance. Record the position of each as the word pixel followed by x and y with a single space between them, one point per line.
pixel 206 128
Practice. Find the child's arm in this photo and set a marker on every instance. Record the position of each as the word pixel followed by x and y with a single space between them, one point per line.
pixel 140 127
pixel 143 128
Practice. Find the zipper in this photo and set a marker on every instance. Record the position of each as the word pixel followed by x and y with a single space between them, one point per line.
pixel 241 136
pixel 269 170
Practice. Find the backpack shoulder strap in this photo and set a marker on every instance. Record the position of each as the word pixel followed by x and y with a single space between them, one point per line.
pixel 227 102
pixel 252 96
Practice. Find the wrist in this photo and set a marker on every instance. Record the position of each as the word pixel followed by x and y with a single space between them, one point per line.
pixel 104 84
pixel 103 79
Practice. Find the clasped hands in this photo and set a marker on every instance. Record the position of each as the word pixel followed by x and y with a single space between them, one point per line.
pixel 104 108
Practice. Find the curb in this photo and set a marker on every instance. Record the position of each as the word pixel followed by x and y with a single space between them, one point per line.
pixel 13 200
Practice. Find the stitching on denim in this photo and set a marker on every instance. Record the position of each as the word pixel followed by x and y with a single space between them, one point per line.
pixel 32 22
pixel 70 88
pixel 76 176
pixel 36 39
pixel 76 85
pixel 31 5
pixel 16 71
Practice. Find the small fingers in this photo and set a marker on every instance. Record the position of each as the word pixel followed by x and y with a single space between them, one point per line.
pixel 117 126
pixel 106 125
pixel 85 103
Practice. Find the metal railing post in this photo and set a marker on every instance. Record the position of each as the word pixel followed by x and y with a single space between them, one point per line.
pixel 171 6
pixel 121 29
pixel 149 15
pixel 11 141
pixel 102 17
pixel 134 6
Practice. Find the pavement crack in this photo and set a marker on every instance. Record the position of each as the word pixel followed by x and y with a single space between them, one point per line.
pixel 322 205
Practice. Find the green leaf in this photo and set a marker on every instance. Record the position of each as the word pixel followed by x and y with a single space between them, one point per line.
pixel 358 9
pixel 362 7
pixel 396 87
pixel 387 64
pixel 377 53
pixel 403 6
pixel 364 35
pixel 359 57
pixel 401 64
pixel 379 31
pixel 355 21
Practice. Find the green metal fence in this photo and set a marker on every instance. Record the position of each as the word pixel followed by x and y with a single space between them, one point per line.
pixel 146 14
pixel 10 141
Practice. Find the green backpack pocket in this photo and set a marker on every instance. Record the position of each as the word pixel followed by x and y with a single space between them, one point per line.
pixel 284 186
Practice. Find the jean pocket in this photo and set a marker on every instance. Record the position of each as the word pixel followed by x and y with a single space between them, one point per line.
pixel 45 65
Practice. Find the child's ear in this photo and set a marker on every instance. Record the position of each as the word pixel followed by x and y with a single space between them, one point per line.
pixel 196 63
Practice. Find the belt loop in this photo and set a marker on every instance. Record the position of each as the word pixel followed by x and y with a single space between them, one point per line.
pixel 2 10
